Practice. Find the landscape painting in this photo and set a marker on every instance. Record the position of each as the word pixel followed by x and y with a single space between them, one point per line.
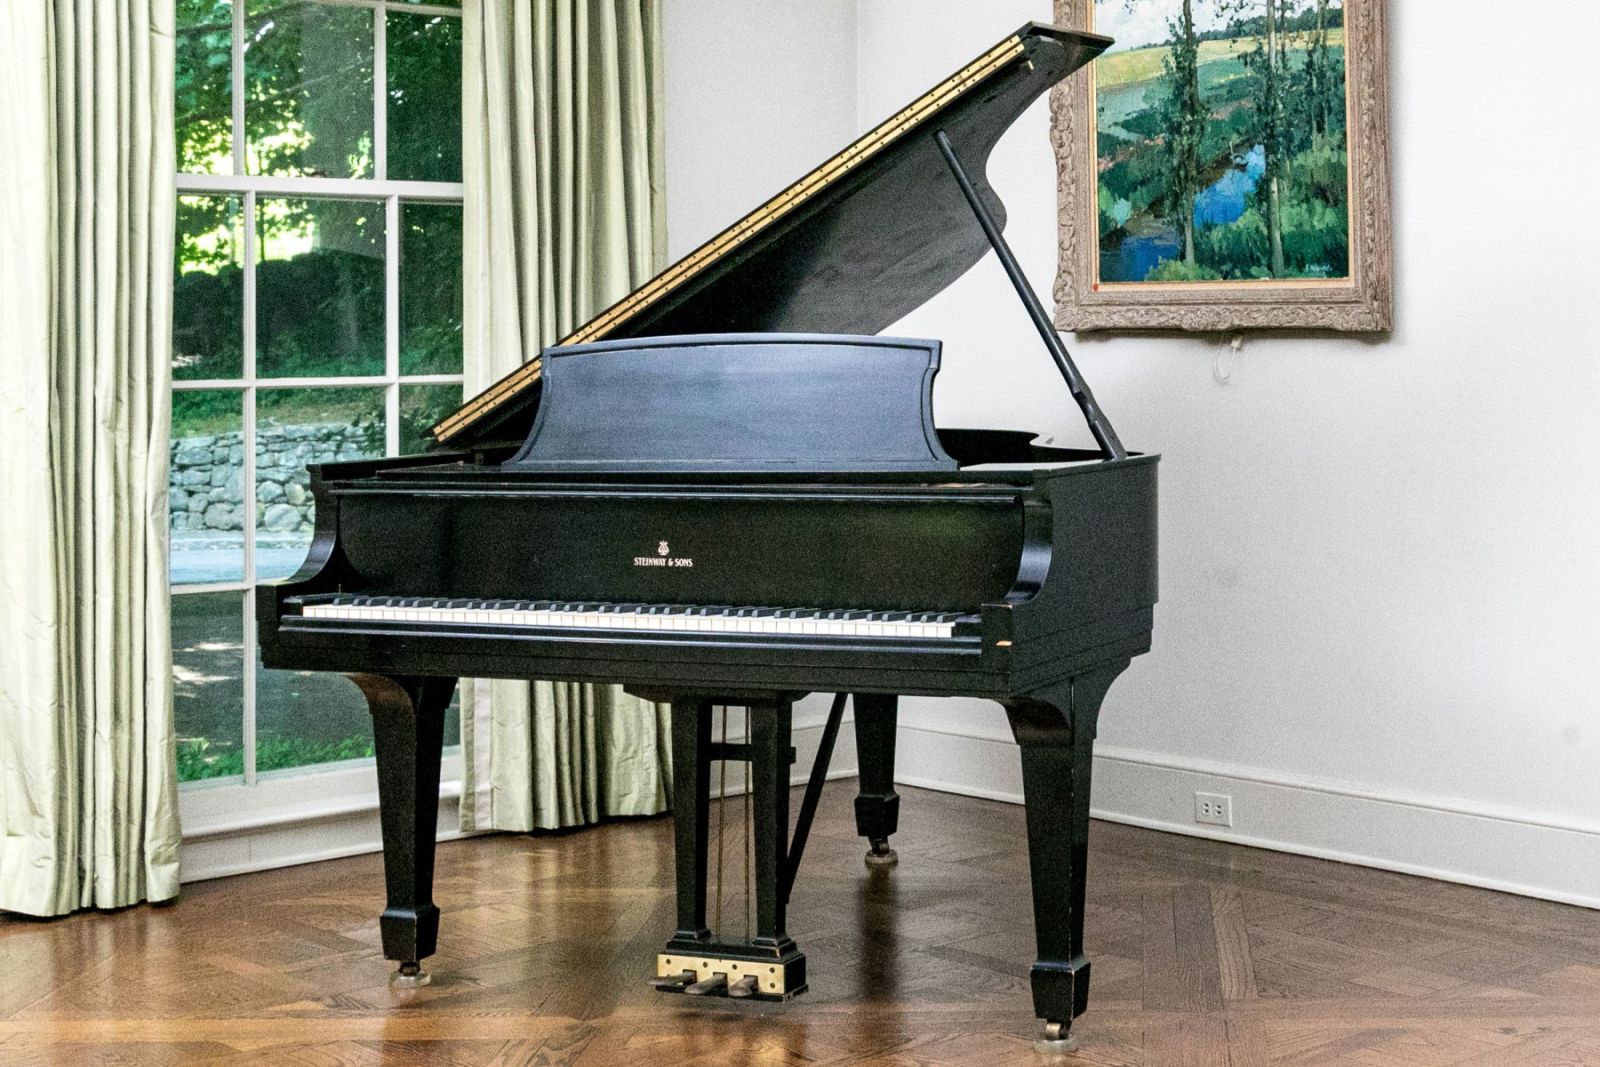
pixel 1220 140
pixel 1214 153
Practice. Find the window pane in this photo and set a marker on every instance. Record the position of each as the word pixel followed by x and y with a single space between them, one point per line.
pixel 205 486
pixel 422 406
pixel 430 289
pixel 207 681
pixel 319 288
pixel 424 94
pixel 308 717
pixel 308 89
pixel 295 427
pixel 452 721
pixel 203 89
pixel 208 294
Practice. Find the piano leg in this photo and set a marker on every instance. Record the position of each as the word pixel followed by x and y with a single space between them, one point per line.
pixel 1055 728
pixel 770 759
pixel 408 735
pixel 877 804
pixel 691 790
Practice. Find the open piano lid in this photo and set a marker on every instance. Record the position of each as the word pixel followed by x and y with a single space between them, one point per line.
pixel 854 246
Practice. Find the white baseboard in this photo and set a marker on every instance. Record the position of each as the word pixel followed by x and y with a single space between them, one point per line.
pixel 1450 840
pixel 218 842
pixel 349 830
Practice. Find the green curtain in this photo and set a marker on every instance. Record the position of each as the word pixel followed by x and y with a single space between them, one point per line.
pixel 562 158
pixel 88 781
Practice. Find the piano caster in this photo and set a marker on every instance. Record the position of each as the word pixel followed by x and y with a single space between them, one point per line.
pixel 881 855
pixel 1057 1039
pixel 411 975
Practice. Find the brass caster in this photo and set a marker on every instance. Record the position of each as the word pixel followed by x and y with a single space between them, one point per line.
pixel 1058 1039
pixel 411 975
pixel 881 855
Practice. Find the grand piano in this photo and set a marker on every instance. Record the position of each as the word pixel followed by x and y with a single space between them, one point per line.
pixel 728 489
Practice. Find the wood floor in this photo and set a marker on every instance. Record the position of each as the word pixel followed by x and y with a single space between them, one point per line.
pixel 1203 954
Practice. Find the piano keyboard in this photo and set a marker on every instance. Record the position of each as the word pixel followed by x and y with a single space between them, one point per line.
pixel 687 618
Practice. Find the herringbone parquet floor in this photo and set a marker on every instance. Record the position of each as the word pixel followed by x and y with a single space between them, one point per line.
pixel 1204 954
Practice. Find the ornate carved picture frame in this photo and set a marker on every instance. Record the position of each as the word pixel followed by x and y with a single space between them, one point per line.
pixel 1259 246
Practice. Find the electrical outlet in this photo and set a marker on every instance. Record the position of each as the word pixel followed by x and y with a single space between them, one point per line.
pixel 1213 808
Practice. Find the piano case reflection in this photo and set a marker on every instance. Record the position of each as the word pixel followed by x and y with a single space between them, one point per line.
pixel 727 490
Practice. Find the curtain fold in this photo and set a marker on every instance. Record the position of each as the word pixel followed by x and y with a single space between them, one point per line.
pixel 564 215
pixel 88 780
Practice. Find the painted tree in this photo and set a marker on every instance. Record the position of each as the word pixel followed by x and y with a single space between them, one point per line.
pixel 1269 62
pixel 1184 120
pixel 1181 118
pixel 1317 72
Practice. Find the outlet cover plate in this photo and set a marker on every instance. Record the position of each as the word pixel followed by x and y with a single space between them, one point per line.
pixel 1213 809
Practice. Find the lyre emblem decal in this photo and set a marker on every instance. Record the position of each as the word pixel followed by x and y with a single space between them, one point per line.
pixel 663 558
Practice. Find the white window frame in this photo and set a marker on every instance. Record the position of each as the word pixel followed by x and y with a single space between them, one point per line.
pixel 220 807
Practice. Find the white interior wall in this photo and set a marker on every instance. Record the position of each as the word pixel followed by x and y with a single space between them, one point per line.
pixel 757 95
pixel 1380 559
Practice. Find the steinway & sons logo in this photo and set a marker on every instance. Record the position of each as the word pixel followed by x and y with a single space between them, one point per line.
pixel 662 558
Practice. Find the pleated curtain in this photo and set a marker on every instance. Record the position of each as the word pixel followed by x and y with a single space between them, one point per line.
pixel 564 214
pixel 88 783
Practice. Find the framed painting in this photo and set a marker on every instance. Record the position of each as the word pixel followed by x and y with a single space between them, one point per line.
pixel 1225 166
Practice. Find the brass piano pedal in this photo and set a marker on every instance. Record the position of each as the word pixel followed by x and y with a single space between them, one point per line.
pixel 748 986
pixel 674 983
pixel 716 984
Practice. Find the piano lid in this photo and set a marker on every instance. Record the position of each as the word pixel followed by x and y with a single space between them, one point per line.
pixel 852 247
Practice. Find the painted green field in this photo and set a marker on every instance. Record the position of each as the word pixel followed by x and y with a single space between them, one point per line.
pixel 1147 64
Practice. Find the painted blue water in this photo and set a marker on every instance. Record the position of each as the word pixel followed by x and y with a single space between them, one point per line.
pixel 1225 199
pixel 1138 255
pixel 1221 202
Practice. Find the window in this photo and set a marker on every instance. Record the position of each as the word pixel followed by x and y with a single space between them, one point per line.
pixel 316 317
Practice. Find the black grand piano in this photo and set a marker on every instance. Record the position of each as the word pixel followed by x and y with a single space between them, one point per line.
pixel 727 490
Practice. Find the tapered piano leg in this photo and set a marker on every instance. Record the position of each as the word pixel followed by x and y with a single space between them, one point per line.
pixel 691 788
pixel 877 804
pixel 1056 729
pixel 769 780
pixel 408 734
